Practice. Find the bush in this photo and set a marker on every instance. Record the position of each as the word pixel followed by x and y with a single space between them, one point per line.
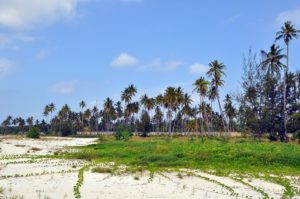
pixel 123 132
pixel 296 136
pixel 33 133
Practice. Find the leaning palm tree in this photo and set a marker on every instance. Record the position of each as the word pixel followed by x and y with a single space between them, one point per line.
pixel 287 33
pixel 201 86
pixel 216 71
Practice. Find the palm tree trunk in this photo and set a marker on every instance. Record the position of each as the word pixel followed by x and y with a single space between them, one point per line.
pixel 284 92
pixel 222 116
pixel 202 123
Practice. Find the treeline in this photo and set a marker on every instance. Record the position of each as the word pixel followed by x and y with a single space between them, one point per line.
pixel 269 103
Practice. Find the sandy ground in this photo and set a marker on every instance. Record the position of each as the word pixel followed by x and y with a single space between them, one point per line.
pixel 24 177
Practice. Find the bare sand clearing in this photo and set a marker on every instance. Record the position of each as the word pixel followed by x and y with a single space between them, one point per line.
pixel 23 176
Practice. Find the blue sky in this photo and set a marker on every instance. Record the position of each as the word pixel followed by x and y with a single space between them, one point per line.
pixel 65 51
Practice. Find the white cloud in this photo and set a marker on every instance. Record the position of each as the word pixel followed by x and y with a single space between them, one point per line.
pixel 124 60
pixel 233 18
pixel 43 53
pixel 158 65
pixel 64 88
pixel 290 15
pixel 5 66
pixel 198 68
pixel 27 13
pixel 9 39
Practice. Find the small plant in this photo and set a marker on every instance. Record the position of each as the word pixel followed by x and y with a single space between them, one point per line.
pixel 102 170
pixel 33 133
pixel 136 178
pixel 123 132
pixel 35 149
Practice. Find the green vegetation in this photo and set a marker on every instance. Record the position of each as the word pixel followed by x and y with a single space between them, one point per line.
pixel 33 132
pixel 220 155
pixel 123 132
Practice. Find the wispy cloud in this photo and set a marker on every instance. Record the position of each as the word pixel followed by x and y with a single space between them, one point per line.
pixel 63 88
pixel 13 39
pixel 197 68
pixel 124 60
pixel 43 53
pixel 26 14
pixel 233 18
pixel 6 66
pixel 289 15
pixel 158 65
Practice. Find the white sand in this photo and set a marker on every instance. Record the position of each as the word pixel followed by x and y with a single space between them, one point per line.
pixel 52 178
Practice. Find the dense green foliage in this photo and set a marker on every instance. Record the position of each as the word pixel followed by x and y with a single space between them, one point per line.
pixel 33 132
pixel 123 132
pixel 235 155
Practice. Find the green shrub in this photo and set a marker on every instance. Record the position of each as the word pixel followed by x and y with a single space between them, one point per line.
pixel 33 132
pixel 123 132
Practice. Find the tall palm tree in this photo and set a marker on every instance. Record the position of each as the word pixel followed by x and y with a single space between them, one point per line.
pixel 216 71
pixel 52 108
pixel 119 110
pixel 170 99
pixel 201 87
pixel 108 112
pixel 287 33
pixel 127 96
pixel 46 111
pixel 82 105
pixel 186 108
pixel 272 64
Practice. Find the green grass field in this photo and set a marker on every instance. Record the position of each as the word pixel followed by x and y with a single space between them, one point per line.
pixel 218 155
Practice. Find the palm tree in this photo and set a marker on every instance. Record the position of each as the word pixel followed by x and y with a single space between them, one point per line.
pixel 119 110
pixel 82 105
pixel 6 123
pixel 287 33
pixel 127 96
pixel 216 71
pixel 229 109
pixel 170 99
pixel 201 86
pixel 186 108
pixel 29 121
pixel 46 111
pixel 109 113
pixel 271 61
pixel 52 108
pixel 149 104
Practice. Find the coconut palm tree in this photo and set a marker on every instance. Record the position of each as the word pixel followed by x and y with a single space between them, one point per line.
pixel 46 111
pixel 201 87
pixel 52 108
pixel 82 105
pixel 215 72
pixel 127 96
pixel 287 33
pixel 29 121
pixel 108 113
pixel 186 108
pixel 271 61
pixel 119 110
pixel 170 101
